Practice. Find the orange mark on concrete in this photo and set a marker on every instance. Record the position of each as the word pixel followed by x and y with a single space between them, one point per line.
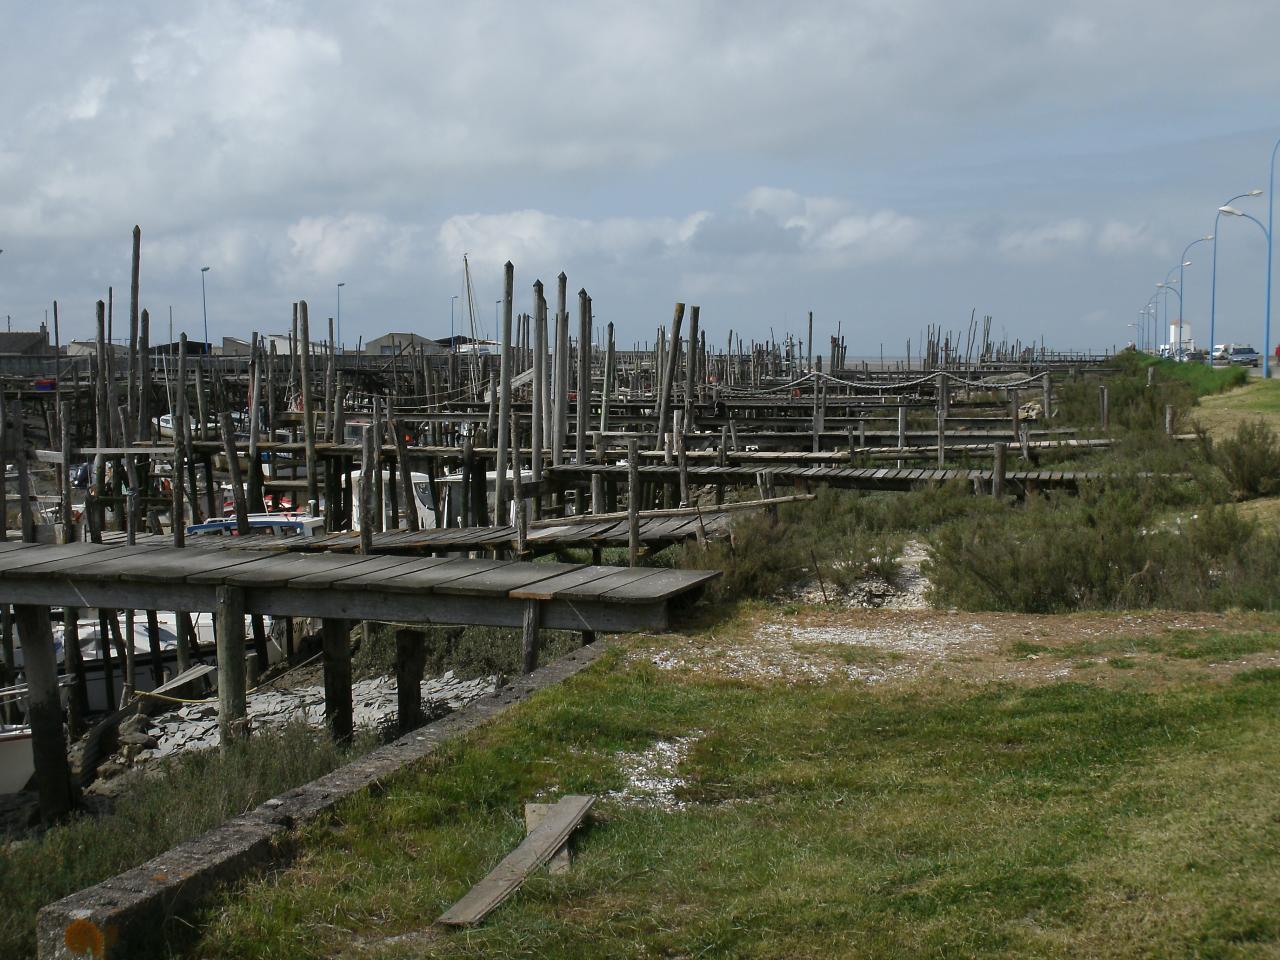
pixel 83 937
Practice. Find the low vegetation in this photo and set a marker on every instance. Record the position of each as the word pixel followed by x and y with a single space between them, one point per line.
pixel 929 818
pixel 169 803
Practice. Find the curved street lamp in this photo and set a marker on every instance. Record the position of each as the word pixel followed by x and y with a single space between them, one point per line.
pixel 1266 356
pixel 1183 286
pixel 1213 283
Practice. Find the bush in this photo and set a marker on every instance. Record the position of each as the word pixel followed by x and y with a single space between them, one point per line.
pixel 1104 549
pixel 1250 459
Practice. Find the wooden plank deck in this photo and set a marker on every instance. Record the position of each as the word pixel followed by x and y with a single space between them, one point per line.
pixel 342 586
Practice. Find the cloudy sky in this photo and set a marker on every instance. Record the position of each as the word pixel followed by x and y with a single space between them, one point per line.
pixel 884 163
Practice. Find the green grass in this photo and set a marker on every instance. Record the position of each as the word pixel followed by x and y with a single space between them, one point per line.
pixel 1201 378
pixel 1202 645
pixel 922 820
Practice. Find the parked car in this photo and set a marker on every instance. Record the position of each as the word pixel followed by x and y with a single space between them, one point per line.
pixel 1222 351
pixel 1245 356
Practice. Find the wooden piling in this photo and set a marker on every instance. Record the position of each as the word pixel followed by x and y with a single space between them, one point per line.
pixel 44 712
pixel 336 654
pixel 229 637
pixel 504 395
pixel 633 501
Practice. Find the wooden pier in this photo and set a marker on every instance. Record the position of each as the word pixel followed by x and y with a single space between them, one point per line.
pixel 338 589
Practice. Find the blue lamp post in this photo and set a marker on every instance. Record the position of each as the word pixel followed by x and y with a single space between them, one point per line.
pixel 1169 288
pixel 1271 206
pixel 1213 283
pixel 1182 286
pixel 1266 346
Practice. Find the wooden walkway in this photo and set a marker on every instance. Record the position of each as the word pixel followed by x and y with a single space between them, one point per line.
pixel 343 586
pixel 338 589
pixel 856 478
pixel 655 533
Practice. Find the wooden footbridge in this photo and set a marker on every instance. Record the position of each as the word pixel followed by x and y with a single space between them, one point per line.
pixel 338 589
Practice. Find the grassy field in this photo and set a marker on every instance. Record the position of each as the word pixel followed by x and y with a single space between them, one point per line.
pixel 1107 789
pixel 1220 414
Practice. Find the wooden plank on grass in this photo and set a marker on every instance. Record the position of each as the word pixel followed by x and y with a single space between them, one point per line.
pixel 537 848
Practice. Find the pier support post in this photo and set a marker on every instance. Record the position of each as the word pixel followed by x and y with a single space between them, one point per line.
pixel 529 636
pixel 48 743
pixel 337 678
pixel 229 637
pixel 411 656
pixel 998 470
pixel 633 500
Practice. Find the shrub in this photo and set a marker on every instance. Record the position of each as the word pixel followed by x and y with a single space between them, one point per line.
pixel 1250 459
pixel 1104 549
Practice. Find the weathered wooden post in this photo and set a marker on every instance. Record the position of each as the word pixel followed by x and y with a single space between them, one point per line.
pixel 48 742
pixel 308 413
pixel 504 401
pixel 998 464
pixel 529 636
pixel 256 502
pixel 406 476
pixel 668 374
pixel 1168 419
pixel 233 467
pixel 132 399
pixel 368 462
pixel 1103 412
pixel 560 371
pixel 583 404
pixel 690 367
pixel 538 408
pixel 411 655
pixel 597 479
pixel 229 637
pixel 336 653
pixel 633 501
pixel 607 384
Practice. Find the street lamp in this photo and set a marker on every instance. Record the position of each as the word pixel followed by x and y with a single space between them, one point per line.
pixel 452 345
pixel 1266 346
pixel 204 305
pixel 338 321
pixel 1213 284
pixel 1271 201
pixel 1187 263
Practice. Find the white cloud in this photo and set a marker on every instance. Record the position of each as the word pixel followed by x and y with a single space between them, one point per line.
pixel 325 246
pixel 88 102
pixel 527 237
pixel 1117 236
pixel 1048 240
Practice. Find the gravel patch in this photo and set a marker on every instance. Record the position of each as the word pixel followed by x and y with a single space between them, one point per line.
pixel 652 775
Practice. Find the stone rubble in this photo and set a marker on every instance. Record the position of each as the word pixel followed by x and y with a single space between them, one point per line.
pixel 195 726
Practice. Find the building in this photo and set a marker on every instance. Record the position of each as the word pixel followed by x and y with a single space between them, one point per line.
pixel 390 344
pixel 25 343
